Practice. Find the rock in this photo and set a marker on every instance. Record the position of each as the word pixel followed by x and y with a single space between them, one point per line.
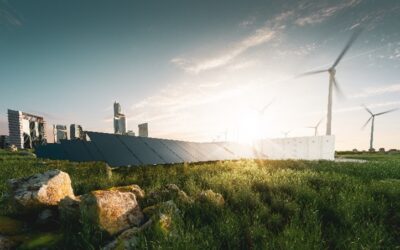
pixel 46 216
pixel 13 148
pixel 211 197
pixel 168 192
pixel 135 189
pixel 166 218
pixel 108 171
pixel 9 226
pixel 6 243
pixel 68 209
pixel 128 238
pixel 41 190
pixel 111 210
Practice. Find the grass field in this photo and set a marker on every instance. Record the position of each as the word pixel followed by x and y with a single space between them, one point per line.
pixel 268 204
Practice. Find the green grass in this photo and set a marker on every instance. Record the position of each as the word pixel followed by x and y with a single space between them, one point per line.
pixel 268 204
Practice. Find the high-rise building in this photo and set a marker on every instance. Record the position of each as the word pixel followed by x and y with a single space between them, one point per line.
pixel 119 120
pixel 3 141
pixel 76 132
pixel 25 130
pixel 60 133
pixel 143 130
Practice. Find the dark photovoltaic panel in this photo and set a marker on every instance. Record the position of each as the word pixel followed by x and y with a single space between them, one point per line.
pixel 179 148
pixel 193 149
pixel 114 151
pixel 141 150
pixel 76 150
pixel 216 152
pixel 123 150
pixel 93 151
pixel 162 150
pixel 51 151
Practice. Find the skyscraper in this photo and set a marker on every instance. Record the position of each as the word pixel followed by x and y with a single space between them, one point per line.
pixel 60 133
pixel 143 130
pixel 76 132
pixel 119 120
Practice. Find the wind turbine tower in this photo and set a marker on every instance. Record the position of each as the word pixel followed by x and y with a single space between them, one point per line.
pixel 372 119
pixel 332 79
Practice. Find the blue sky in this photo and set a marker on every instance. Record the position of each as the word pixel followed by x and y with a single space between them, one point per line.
pixel 198 70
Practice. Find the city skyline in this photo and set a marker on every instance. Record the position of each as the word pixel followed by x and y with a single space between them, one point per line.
pixel 200 71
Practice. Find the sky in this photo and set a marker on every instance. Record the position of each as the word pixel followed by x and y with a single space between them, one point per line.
pixel 203 70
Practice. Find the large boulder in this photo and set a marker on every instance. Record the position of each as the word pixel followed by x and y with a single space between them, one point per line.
pixel 41 190
pixel 128 239
pixel 111 210
pixel 135 189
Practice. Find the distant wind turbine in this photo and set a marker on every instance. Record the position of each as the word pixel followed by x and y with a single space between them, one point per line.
pixel 371 141
pixel 316 127
pixel 286 133
pixel 261 112
pixel 332 79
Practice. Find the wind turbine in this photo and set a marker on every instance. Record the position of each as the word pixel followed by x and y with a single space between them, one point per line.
pixel 371 141
pixel 316 127
pixel 261 112
pixel 332 79
pixel 286 133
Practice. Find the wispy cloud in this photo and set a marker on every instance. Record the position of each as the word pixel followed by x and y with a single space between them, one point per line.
pixel 260 36
pixel 321 12
pixel 8 15
pixel 268 32
pixel 374 91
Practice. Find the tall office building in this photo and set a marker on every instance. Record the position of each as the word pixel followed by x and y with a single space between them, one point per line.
pixel 25 130
pixel 119 120
pixel 60 133
pixel 143 130
pixel 76 132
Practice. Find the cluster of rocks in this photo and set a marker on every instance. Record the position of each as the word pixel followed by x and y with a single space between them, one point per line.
pixel 116 211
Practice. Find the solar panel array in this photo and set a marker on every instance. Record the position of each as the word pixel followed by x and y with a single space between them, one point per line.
pixel 123 150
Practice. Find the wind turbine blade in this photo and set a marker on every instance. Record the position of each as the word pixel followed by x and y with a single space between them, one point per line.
pixel 319 122
pixel 311 73
pixel 346 48
pixel 338 90
pixel 368 110
pixel 365 124
pixel 388 111
pixel 266 107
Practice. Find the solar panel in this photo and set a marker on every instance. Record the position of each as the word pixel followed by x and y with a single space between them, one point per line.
pixel 178 148
pixel 93 151
pixel 141 150
pixel 115 153
pixel 51 151
pixel 162 150
pixel 76 150
pixel 193 149
pixel 216 152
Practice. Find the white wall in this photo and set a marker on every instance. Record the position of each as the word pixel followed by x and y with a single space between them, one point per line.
pixel 306 148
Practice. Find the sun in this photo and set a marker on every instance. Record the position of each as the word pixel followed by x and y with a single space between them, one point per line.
pixel 249 127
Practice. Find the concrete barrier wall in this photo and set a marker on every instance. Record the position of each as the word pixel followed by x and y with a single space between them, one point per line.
pixel 305 148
